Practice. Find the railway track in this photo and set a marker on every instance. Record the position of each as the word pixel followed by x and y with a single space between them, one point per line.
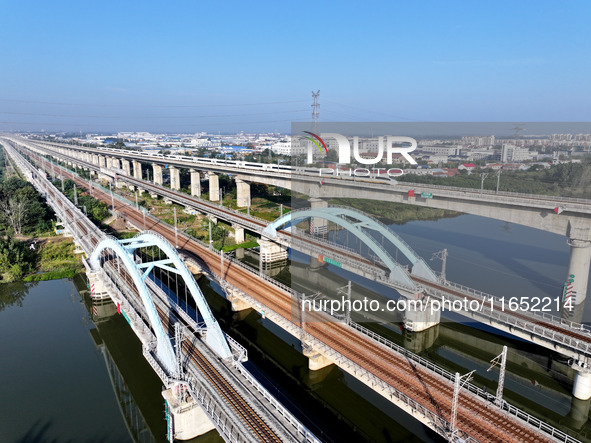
pixel 475 418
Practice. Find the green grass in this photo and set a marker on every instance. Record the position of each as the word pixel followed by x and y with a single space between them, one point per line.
pixel 245 245
pixel 54 275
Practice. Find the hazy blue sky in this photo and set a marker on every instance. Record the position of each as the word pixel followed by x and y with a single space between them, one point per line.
pixel 229 66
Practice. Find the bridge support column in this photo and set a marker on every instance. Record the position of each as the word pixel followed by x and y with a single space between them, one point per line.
pixel 582 385
pixel 318 225
pixel 238 304
pixel 96 286
pixel 419 342
pixel 195 183
pixel 214 188
pixel 416 317
pixel 109 162
pixel 187 417
pixel 95 159
pixel 578 268
pixel 316 361
pixel 315 263
pixel 125 167
pixel 238 234
pixel 242 193
pixel 102 161
pixel 115 162
pixel 137 170
pixel 271 251
pixel 157 170
pixel 175 179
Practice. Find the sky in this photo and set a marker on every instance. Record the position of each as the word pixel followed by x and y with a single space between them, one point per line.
pixel 229 66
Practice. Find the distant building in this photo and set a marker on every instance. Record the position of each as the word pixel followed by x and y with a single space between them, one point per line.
pixel 440 150
pixel 467 167
pixel 512 153
pixel 289 146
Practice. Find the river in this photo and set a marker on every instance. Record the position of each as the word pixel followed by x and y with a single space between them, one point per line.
pixel 73 371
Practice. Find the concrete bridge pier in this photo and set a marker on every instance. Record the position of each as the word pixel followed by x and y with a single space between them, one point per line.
pixel 419 342
pixel 238 234
pixel 109 162
pixel 271 251
pixel 96 286
pixel 318 225
pixel 175 178
pixel 115 162
pixel 125 166
pixel 315 264
pixel 419 316
pixel 242 193
pixel 186 418
pixel 195 183
pixel 157 172
pixel 214 187
pixel 582 385
pixel 137 170
pixel 95 159
pixel 316 361
pixel 102 161
pixel 577 276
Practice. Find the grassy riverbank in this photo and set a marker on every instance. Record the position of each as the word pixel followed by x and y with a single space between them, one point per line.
pixel 398 213
pixel 56 259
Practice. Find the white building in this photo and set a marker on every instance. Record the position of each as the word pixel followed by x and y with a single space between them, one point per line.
pixel 512 153
pixel 441 150
pixel 289 146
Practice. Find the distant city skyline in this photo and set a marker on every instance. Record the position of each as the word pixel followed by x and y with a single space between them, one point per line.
pixel 191 66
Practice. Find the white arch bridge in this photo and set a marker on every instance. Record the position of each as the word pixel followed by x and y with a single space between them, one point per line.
pixel 140 271
pixel 185 365
pixel 358 224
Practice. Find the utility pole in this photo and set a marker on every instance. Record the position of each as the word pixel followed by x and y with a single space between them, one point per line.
pixel 75 196
pixel 346 290
pixel 500 360
pixel 442 255
pixel 248 207
pixel 137 206
pixel 281 210
pixel 63 185
pixel 176 233
pixel 315 108
pixel 144 212
pixel 112 198
pixel 221 196
pixel 456 399
pixel 210 239
pixel 498 179
pixel 483 177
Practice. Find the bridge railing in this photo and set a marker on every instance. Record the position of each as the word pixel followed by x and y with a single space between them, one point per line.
pixel 286 414
pixel 535 316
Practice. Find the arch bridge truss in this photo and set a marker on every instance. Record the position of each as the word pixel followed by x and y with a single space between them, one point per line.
pixel 142 269
pixel 358 223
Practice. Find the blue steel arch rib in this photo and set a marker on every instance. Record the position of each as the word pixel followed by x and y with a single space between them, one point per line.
pixel 214 336
pixel 337 214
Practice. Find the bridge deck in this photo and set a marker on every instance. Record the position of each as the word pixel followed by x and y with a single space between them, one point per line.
pixel 482 423
pixel 433 392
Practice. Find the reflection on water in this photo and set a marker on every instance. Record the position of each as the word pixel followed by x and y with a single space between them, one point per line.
pixel 74 371
pixel 491 256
